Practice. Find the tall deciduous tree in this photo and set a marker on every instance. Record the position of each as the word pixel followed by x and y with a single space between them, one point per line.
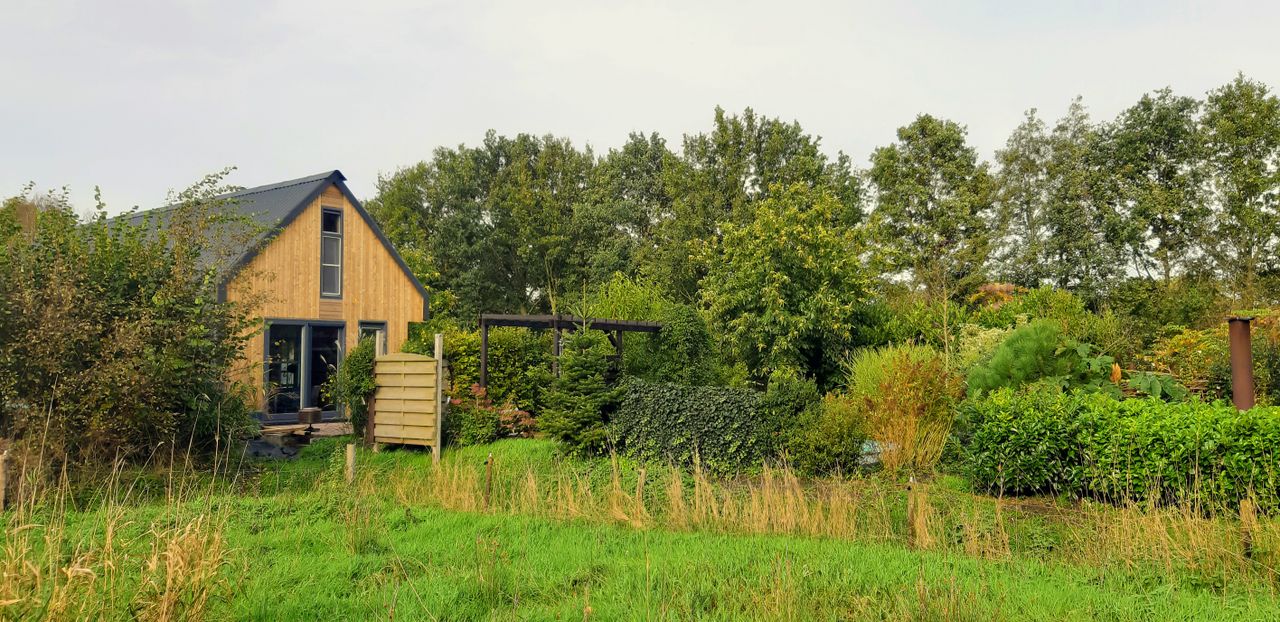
pixel 1242 135
pixel 1082 250
pixel 723 174
pixel 934 207
pixel 1022 199
pixel 1154 166
pixel 500 225
pixel 787 289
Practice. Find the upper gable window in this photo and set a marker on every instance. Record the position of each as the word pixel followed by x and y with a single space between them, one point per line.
pixel 331 253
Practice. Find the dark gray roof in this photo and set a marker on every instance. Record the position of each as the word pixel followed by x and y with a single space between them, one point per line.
pixel 274 206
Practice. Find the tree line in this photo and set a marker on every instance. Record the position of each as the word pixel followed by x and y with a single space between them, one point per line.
pixel 1175 192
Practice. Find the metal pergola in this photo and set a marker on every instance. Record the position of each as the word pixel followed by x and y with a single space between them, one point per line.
pixel 557 323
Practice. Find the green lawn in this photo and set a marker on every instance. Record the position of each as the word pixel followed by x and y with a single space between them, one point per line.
pixel 300 547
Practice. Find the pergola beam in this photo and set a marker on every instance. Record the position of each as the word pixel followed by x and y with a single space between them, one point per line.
pixel 557 323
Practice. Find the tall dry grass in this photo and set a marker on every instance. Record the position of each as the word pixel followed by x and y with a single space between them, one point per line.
pixel 1175 542
pixel 59 561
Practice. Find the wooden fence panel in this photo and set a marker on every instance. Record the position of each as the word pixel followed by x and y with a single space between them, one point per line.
pixel 407 402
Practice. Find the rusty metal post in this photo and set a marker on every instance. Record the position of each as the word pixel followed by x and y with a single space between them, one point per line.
pixel 1241 362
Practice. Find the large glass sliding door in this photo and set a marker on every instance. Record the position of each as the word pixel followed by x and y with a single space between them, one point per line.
pixel 300 357
pixel 284 369
pixel 326 349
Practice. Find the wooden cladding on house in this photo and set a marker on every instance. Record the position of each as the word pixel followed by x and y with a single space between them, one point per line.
pixel 406 404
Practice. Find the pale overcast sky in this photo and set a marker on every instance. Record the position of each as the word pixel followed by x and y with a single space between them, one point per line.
pixel 143 97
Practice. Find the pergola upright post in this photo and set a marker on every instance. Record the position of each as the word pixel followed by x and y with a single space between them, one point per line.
pixel 556 346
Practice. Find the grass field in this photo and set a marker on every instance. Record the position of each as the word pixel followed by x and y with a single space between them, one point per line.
pixel 570 540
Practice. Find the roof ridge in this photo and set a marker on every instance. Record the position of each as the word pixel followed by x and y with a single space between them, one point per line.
pixel 284 184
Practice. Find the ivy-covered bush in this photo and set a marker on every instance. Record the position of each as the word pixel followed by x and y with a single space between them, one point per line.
pixel 353 384
pixel 1049 441
pixel 581 399
pixel 720 426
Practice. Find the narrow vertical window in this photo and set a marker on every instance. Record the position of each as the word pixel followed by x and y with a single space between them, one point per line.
pixel 331 253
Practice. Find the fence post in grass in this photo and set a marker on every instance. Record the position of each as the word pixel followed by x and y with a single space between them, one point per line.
pixel 4 477
pixel 440 403
pixel 488 480
pixel 351 462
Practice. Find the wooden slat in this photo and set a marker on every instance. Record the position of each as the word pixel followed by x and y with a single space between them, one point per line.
pixel 418 392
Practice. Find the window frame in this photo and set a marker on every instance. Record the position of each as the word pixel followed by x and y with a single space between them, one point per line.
pixel 376 326
pixel 338 235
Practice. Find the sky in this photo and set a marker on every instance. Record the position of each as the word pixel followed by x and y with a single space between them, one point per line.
pixel 142 98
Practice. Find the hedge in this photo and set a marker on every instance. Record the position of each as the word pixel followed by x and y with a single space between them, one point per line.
pixel 1091 445
pixel 726 428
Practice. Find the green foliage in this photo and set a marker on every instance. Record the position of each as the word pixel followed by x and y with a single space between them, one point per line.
pixel 519 363
pixel 721 427
pixel 581 400
pixel 906 398
pixel 1040 352
pixel 353 384
pixel 829 437
pixel 473 419
pixel 1048 441
pixel 113 338
pixel 1241 126
pixel 1161 386
pixel 934 206
pixel 682 352
pixel 788 290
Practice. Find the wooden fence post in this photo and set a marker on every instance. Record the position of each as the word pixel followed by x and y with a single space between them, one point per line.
pixel 4 477
pixel 488 480
pixel 351 462
pixel 439 354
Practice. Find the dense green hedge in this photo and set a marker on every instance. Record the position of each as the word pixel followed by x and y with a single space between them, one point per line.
pixel 519 363
pixel 1045 441
pixel 725 427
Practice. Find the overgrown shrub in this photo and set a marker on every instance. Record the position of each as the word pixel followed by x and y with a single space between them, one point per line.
pixel 519 363
pixel 787 396
pixel 112 334
pixel 1048 441
pixel 581 399
pixel 906 395
pixel 353 384
pixel 721 426
pixel 829 437
pixel 473 419
pixel 1040 352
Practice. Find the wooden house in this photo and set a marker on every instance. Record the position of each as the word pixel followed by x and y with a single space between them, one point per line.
pixel 322 275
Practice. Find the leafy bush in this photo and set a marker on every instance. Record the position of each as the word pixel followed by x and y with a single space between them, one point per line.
pixel 112 334
pixel 786 397
pixel 519 363
pixel 1048 441
pixel 474 420
pixel 353 384
pixel 581 400
pixel 1039 351
pixel 721 426
pixel 1104 329
pixel 829 437
pixel 682 352
pixel 906 396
